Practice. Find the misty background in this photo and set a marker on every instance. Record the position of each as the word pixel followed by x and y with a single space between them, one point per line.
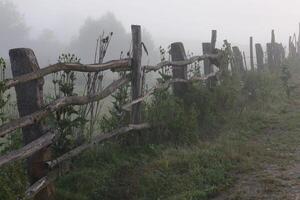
pixel 53 27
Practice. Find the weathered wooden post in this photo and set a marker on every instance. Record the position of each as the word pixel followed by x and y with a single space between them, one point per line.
pixel 282 51
pixel 270 57
pixel 29 100
pixel 245 61
pixel 292 48
pixel 213 40
pixel 271 52
pixel 178 54
pixel 277 55
pixel 251 54
pixel 136 82
pixel 259 57
pixel 206 49
pixel 298 42
pixel 238 59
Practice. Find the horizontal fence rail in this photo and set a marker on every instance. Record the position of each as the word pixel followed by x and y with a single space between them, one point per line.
pixel 43 182
pixel 181 63
pixel 118 65
pixel 28 149
pixel 58 104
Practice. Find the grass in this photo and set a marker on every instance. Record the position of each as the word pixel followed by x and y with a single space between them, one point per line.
pixel 198 171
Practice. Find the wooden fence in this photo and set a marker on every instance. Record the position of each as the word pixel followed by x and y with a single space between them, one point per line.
pixel 28 82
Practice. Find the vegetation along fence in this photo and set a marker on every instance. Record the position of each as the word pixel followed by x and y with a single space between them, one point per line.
pixel 28 83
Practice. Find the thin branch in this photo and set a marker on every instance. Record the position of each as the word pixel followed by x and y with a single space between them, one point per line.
pixel 112 65
pixel 58 104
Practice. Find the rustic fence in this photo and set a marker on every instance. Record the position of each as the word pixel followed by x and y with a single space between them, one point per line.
pixel 28 82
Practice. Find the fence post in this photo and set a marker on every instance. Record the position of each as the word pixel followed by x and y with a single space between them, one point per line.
pixel 245 61
pixel 206 48
pixel 29 100
pixel 270 57
pixel 270 50
pixel 292 48
pixel 251 54
pixel 213 40
pixel 178 54
pixel 136 82
pixel 298 42
pixel 238 59
pixel 259 57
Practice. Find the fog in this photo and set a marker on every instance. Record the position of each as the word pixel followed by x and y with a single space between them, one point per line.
pixel 53 27
pixel 16 32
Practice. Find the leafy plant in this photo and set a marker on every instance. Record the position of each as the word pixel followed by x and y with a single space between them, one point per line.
pixel 67 119
pixel 117 116
pixel 3 96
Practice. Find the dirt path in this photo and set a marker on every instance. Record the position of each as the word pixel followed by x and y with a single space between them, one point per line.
pixel 272 183
pixel 277 178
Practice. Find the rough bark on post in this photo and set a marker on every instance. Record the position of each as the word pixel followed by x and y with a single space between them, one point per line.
pixel 136 82
pixel 292 48
pixel 273 37
pixel 282 51
pixel 277 55
pixel 238 59
pixel 251 54
pixel 259 57
pixel 206 48
pixel 270 56
pixel 30 100
pixel 178 54
pixel 213 40
pixel 245 61
pixel 271 52
pixel 298 42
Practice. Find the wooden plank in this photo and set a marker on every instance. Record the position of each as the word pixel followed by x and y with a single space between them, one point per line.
pixel 251 54
pixel 259 57
pixel 30 100
pixel 136 82
pixel 178 54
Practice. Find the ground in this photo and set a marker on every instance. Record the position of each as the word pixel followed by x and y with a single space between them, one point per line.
pixel 277 177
